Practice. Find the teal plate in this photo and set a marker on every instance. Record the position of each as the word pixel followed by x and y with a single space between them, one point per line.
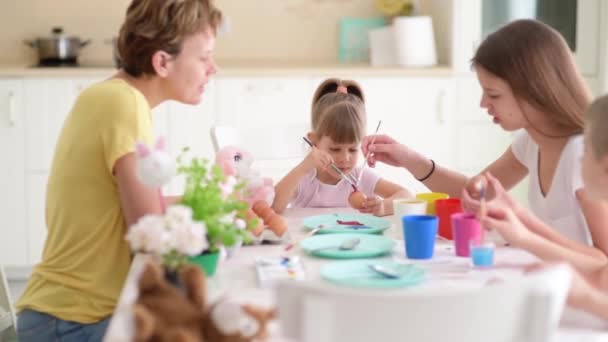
pixel 347 223
pixel 327 246
pixel 357 273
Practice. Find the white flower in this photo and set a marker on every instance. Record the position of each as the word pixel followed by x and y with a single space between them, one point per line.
pixel 190 239
pixel 228 218
pixel 149 235
pixel 178 215
pixel 240 224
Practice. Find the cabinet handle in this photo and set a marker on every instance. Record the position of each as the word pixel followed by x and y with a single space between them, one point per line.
pixel 441 98
pixel 12 116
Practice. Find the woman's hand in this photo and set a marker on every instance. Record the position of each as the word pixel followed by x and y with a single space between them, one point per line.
pixel 494 193
pixel 471 194
pixel 374 205
pixel 385 150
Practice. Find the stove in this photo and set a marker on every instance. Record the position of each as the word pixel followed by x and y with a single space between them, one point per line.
pixel 57 62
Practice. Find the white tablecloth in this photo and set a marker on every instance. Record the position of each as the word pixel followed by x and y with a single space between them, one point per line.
pixel 236 277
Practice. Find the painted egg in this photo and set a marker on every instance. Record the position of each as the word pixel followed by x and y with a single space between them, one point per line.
pixel 356 199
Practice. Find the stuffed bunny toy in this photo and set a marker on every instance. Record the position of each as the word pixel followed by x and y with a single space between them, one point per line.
pixel 155 167
pixel 259 191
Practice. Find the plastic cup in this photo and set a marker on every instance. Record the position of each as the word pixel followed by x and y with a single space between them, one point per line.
pixel 430 198
pixel 465 228
pixel 445 208
pixel 420 232
pixel 482 254
pixel 403 207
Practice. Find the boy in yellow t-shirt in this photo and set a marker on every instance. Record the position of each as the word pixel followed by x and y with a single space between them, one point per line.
pixel 92 193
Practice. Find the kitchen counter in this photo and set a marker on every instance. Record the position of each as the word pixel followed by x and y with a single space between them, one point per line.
pixel 234 68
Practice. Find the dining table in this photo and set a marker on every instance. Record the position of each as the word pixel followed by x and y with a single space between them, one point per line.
pixel 236 276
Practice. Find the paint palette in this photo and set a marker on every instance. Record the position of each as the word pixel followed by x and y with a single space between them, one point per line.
pixel 346 223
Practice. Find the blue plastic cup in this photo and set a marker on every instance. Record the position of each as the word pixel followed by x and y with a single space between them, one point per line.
pixel 420 232
pixel 482 254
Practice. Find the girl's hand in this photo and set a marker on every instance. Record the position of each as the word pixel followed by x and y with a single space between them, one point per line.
pixel 506 223
pixel 317 159
pixel 374 205
pixel 384 149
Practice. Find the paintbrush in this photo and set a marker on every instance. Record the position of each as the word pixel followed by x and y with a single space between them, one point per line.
pixel 335 168
pixel 368 153
pixel 307 235
pixel 482 205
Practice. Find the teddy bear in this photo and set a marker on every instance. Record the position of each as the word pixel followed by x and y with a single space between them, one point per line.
pixel 259 191
pixel 163 312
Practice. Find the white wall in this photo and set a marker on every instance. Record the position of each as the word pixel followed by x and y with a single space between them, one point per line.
pixel 262 29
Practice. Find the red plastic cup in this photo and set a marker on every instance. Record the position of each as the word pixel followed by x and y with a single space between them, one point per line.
pixel 445 208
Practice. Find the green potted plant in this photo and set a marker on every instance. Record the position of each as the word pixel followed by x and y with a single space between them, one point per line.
pixel 214 200
pixel 172 237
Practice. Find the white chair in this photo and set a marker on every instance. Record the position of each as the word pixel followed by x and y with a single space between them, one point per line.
pixel 523 310
pixel 7 314
pixel 276 149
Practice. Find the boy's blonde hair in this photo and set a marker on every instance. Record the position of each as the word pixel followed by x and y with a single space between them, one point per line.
pixel 597 124
pixel 153 25
pixel 338 111
pixel 536 62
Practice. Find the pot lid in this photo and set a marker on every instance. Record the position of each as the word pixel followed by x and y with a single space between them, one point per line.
pixel 57 32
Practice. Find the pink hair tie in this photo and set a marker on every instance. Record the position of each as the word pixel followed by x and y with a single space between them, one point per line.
pixel 342 89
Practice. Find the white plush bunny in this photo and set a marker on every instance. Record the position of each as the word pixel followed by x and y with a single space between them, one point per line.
pixel 155 167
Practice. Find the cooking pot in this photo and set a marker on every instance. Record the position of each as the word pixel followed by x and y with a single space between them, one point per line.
pixel 58 47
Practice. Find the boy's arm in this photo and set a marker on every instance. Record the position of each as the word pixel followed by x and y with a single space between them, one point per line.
pixel 585 295
pixel 519 234
pixel 541 228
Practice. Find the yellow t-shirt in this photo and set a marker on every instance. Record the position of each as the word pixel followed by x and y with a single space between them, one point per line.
pixel 86 258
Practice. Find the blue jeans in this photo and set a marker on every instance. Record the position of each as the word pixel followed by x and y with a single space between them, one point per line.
pixel 34 326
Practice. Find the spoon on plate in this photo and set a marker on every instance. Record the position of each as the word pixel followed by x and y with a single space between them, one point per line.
pixel 384 271
pixel 346 245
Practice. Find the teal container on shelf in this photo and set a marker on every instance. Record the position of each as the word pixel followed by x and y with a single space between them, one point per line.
pixel 353 38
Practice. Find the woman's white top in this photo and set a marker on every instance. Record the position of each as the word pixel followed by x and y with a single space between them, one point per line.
pixel 559 208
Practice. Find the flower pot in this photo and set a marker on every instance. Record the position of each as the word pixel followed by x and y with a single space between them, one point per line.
pixel 207 261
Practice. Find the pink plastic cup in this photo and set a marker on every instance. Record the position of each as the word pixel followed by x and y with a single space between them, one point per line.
pixel 465 228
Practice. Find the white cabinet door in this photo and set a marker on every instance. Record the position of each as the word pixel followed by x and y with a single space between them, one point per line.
pixel 13 236
pixel 189 126
pixel 35 188
pixel 477 140
pixel 416 112
pixel 267 108
pixel 263 101
pixel 49 101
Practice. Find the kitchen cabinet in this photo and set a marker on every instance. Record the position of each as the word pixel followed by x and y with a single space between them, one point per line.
pixel 436 115
pixel 416 112
pixel 13 235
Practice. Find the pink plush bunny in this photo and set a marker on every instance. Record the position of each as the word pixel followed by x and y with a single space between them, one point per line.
pixel 237 162
pixel 259 192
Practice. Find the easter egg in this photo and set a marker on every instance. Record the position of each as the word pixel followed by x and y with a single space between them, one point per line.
pixel 356 199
